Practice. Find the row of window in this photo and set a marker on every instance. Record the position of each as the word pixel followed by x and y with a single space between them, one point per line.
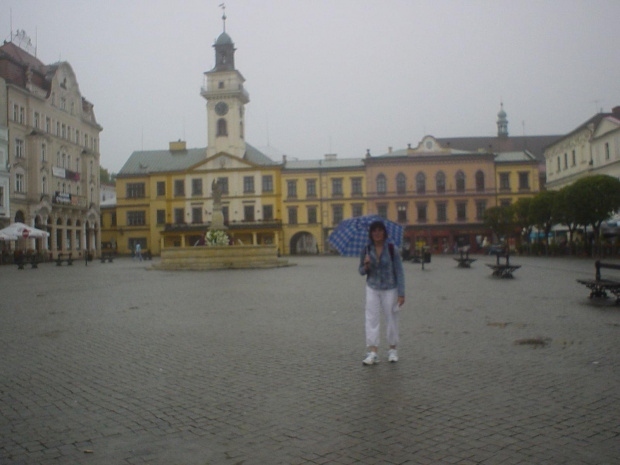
pixel 337 187
pixel 137 190
pixel 440 182
pixel 138 217
pixel 63 131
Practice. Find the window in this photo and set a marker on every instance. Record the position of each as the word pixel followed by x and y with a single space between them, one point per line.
pixel 337 186
pixel 504 181
pixel 357 209
pixel 196 215
pixel 291 189
pixel 337 214
pixel 19 148
pixel 311 187
pixel 479 181
pixel 43 152
pixel 401 210
pixel 442 212
pixel 179 215
pixel 421 207
pixel 136 218
pixel 43 186
pixel 225 213
pixel 197 186
pixel 135 190
pixel 267 212
pixel 460 181
pixel 524 181
pixel 113 219
pixel 565 161
pixel 21 115
pixel 440 182
pixel 161 216
pixel 223 182
pixel 559 164
pixel 48 125
pixel 36 120
pixel 481 206
pixel 2 197
pixel 356 186
pixel 179 188
pixel 248 213
pixel 19 182
pixel 382 210
pixel 292 215
pixel 15 112
pixel 248 184
pixel 268 183
pixel 420 183
pixel 574 160
pixel 312 215
pixel 222 128
pixel 461 211
pixel 607 155
pixel 401 183
pixel 161 188
pixel 381 184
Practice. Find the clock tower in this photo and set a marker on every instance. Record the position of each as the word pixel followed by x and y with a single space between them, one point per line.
pixel 226 99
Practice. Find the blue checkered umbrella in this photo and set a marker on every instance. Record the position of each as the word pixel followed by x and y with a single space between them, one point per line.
pixel 351 236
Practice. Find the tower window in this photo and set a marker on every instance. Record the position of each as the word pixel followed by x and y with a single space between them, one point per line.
pixel 222 127
pixel 220 85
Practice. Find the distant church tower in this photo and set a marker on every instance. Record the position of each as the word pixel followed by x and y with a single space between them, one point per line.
pixel 226 99
pixel 502 123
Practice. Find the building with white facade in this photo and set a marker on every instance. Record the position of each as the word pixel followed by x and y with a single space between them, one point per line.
pixel 53 152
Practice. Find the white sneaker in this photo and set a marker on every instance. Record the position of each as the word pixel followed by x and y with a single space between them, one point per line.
pixel 371 358
pixel 393 355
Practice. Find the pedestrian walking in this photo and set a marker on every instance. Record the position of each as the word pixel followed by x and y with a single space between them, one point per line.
pixel 380 262
pixel 138 252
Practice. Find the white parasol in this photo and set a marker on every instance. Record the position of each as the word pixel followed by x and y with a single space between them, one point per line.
pixel 16 231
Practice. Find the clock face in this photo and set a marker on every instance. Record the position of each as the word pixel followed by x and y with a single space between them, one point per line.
pixel 221 108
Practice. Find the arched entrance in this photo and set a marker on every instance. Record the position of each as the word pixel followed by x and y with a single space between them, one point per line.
pixel 303 243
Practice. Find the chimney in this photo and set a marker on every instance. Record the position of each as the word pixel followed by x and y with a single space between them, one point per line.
pixel 616 111
pixel 389 149
pixel 178 146
pixel 284 159
pixel 367 153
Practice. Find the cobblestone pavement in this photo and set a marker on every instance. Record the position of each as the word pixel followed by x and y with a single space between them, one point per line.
pixel 117 364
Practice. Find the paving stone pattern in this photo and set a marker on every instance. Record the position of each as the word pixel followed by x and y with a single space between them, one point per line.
pixel 118 364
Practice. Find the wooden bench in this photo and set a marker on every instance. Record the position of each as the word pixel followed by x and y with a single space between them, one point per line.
pixel 463 259
pixel 109 256
pixel 64 257
pixel 33 260
pixel 503 270
pixel 599 286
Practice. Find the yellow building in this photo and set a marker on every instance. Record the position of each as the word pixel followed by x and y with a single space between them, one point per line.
pixel 439 193
pixel 316 196
pixel 164 198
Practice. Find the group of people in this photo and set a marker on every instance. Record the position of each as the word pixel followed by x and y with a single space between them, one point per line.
pixel 380 262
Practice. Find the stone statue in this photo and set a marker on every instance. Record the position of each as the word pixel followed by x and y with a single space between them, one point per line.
pixel 217 222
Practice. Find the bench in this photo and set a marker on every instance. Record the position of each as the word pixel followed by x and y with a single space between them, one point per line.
pixel 34 262
pixel 64 257
pixel 599 286
pixel 463 260
pixel 503 270
pixel 109 256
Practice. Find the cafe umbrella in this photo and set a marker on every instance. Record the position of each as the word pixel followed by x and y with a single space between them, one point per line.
pixel 20 230
pixel 351 235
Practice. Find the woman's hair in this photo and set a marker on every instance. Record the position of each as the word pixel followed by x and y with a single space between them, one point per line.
pixel 377 225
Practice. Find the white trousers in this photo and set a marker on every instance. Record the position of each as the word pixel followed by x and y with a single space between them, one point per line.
pixel 376 301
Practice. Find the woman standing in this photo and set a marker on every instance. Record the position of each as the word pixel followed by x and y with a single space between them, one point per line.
pixel 385 290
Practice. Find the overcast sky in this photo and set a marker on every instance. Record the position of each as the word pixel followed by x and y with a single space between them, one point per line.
pixel 332 76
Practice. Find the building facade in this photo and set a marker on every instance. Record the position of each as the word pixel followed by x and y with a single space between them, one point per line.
pixel 5 208
pixel 591 148
pixel 53 152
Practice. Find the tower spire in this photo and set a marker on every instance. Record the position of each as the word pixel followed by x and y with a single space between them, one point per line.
pixel 223 7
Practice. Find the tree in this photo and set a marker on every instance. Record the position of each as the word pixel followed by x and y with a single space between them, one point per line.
pixel 522 216
pixel 541 210
pixel 105 176
pixel 565 211
pixel 595 199
pixel 499 220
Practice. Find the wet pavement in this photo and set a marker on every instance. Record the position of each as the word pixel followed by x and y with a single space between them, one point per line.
pixel 118 364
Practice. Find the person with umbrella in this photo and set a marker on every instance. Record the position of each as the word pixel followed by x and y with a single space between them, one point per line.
pixel 385 290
